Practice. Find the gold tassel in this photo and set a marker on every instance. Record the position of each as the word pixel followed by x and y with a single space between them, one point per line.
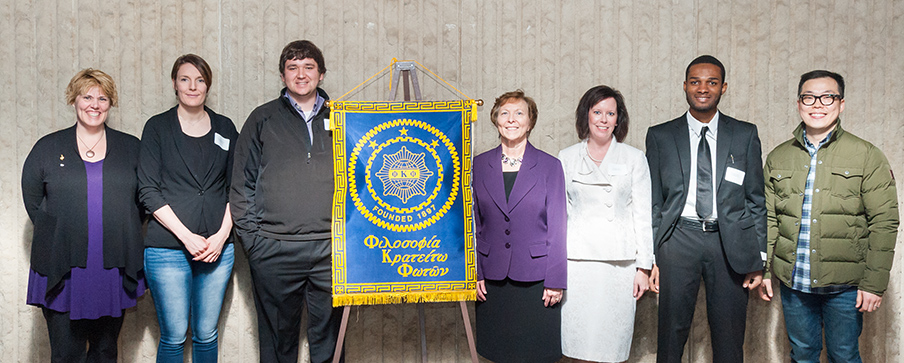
pixel 405 297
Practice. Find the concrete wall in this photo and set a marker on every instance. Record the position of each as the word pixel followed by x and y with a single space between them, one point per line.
pixel 554 50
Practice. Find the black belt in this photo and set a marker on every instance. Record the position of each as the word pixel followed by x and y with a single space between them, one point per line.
pixel 705 226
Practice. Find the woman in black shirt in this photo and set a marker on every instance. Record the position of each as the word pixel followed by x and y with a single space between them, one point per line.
pixel 184 173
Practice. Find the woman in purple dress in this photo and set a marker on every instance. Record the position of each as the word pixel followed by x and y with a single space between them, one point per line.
pixel 80 191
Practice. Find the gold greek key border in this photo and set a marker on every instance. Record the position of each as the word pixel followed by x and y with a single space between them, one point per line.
pixel 385 106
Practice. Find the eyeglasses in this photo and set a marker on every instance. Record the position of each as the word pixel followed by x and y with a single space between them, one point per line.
pixel 826 99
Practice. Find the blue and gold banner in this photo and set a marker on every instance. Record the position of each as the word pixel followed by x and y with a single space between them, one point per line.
pixel 402 224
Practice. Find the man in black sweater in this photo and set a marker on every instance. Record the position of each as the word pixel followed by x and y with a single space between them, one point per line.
pixel 281 200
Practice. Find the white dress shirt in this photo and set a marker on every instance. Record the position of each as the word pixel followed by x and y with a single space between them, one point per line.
pixel 694 129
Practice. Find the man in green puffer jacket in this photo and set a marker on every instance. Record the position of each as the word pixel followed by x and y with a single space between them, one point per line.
pixel 832 216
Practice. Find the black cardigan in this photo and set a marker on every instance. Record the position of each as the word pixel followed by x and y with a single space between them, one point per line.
pixel 164 177
pixel 55 191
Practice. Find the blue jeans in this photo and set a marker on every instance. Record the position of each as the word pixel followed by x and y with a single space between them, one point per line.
pixel 184 289
pixel 807 314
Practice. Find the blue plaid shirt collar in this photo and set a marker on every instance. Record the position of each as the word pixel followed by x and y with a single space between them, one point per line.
pixel 809 145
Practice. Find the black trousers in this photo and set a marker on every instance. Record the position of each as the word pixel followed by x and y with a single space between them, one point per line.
pixel 686 257
pixel 69 338
pixel 288 276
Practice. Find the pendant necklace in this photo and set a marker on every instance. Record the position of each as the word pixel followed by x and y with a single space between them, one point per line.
pixel 511 161
pixel 90 152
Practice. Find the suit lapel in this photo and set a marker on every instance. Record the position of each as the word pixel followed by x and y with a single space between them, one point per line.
pixel 493 182
pixel 527 177
pixel 723 148
pixel 683 144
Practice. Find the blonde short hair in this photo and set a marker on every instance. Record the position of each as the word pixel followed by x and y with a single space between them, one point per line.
pixel 87 78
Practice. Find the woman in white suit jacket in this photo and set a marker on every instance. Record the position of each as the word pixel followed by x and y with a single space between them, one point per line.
pixel 610 237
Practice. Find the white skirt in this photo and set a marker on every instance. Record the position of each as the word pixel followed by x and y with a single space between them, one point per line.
pixel 598 310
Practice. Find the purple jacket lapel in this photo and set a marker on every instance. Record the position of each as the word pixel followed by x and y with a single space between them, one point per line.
pixel 494 183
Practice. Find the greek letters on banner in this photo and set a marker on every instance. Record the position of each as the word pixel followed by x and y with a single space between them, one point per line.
pixel 402 224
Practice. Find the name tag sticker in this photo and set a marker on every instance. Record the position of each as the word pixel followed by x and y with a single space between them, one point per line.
pixel 221 141
pixel 326 124
pixel 618 169
pixel 734 175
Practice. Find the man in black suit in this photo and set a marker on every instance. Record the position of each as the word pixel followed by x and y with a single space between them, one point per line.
pixel 709 216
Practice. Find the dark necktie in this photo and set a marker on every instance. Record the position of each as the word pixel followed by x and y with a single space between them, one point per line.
pixel 704 178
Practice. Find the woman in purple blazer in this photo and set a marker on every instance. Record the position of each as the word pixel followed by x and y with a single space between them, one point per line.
pixel 520 214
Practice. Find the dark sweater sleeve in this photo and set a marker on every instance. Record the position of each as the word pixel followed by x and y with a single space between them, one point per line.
pixel 245 170
pixel 149 176
pixel 231 133
pixel 33 182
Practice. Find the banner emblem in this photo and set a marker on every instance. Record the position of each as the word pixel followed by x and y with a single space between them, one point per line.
pixel 404 174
